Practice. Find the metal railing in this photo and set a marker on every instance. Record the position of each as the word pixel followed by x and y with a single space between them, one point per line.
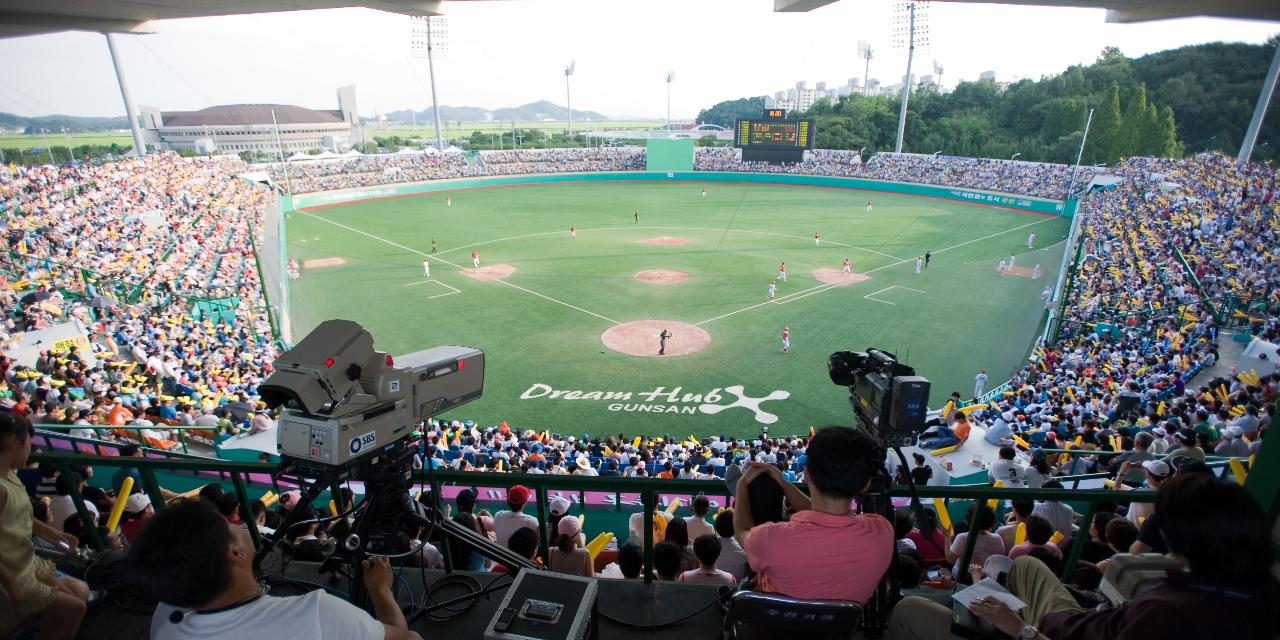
pixel 651 491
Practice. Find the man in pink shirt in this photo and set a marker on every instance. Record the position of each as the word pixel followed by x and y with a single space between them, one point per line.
pixel 824 551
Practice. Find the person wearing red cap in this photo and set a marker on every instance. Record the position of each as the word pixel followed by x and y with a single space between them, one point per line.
pixel 505 523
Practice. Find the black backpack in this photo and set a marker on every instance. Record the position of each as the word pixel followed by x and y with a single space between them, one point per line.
pixel 110 573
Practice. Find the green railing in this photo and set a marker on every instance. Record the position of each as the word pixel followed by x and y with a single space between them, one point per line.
pixel 1264 485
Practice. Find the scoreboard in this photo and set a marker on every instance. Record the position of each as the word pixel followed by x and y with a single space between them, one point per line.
pixel 777 134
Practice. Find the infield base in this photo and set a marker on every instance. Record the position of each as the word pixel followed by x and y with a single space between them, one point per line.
pixel 664 240
pixel 640 338
pixel 1023 272
pixel 839 278
pixel 491 272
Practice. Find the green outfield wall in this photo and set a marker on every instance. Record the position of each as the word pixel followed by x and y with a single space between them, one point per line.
pixel 668 155
pixel 974 196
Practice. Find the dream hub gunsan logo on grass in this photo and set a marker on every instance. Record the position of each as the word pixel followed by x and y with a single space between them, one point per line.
pixel 660 400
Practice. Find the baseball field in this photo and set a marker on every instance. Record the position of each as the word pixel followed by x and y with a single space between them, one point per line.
pixel 570 322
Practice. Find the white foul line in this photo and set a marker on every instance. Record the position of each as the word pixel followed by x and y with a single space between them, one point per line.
pixel 815 291
pixel 558 301
pixel 437 257
pixel 886 266
pixel 438 295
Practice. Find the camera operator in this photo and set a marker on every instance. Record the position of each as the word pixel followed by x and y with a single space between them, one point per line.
pixel 201 569
pixel 823 551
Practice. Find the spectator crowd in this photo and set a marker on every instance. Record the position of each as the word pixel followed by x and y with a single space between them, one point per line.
pixel 128 247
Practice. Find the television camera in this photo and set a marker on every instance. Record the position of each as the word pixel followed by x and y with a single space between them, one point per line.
pixel 888 398
pixel 890 402
pixel 351 413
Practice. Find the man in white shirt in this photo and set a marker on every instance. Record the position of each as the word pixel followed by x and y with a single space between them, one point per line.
pixel 505 523
pixel 1059 515
pixel 1007 470
pixel 697 522
pixel 201 566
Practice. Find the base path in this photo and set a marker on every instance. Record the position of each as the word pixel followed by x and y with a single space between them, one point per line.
pixel 839 278
pixel 664 240
pixel 491 272
pixel 640 338
pixel 661 276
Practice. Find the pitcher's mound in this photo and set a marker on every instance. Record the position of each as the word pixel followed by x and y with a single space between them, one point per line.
pixel 640 338
pixel 323 262
pixel 661 276
pixel 665 240
pixel 491 272
pixel 839 278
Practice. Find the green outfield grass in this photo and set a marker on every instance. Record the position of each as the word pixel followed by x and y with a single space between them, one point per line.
pixel 542 325
pixel 24 141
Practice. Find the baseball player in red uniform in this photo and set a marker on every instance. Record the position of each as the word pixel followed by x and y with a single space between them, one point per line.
pixel 475 259
pixel 786 340
pixel 782 272
pixel 845 268
pixel 817 239
pixel 573 232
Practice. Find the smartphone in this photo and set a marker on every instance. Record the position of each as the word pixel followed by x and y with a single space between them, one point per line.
pixel 934 575
pixel 504 619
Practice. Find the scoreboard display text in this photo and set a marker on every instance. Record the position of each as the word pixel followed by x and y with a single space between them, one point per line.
pixel 778 134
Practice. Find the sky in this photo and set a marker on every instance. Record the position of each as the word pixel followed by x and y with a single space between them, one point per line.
pixel 502 54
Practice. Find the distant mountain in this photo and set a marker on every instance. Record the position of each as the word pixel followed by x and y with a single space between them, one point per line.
pixel 56 123
pixel 534 111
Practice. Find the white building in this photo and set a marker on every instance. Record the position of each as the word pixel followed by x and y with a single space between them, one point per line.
pixel 251 127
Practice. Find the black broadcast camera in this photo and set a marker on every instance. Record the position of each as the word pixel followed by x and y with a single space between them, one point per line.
pixel 888 398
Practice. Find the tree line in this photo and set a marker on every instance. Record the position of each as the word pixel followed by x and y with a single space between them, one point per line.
pixel 1170 103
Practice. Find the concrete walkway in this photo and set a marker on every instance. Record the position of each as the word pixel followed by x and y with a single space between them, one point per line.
pixel 1229 352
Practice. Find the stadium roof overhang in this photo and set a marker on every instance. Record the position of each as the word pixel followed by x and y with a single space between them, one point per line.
pixel 31 17
pixel 1119 10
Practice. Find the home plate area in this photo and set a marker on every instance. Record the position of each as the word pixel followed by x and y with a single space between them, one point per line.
pixel 640 338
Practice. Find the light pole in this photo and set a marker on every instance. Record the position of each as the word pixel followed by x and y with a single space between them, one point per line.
pixel 70 156
pixel 671 75
pixel 1084 137
pixel 906 11
pixel 48 146
pixel 568 97
pixel 865 52
pixel 422 42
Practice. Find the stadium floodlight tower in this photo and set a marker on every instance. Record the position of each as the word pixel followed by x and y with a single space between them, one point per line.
pixel 428 39
pixel 865 52
pixel 937 69
pixel 671 76
pixel 568 98
pixel 910 30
